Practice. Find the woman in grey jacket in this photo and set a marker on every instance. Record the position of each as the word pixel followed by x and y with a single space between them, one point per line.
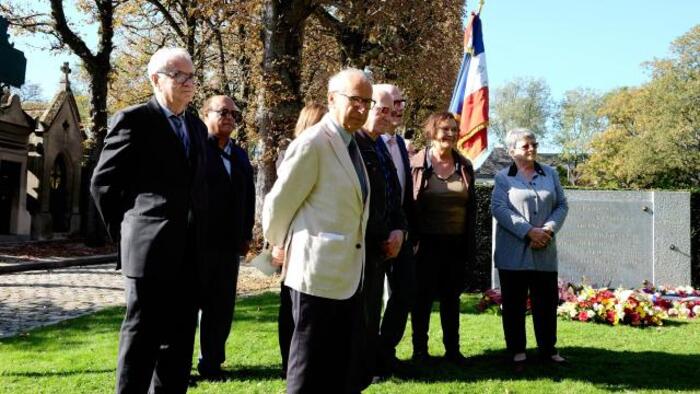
pixel 529 206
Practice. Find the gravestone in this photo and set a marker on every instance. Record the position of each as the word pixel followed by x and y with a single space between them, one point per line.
pixel 622 238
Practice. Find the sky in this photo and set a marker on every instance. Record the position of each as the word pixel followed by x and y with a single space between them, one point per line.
pixel 596 44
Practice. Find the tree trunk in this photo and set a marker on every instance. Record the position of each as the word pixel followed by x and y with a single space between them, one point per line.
pixel 95 232
pixel 279 98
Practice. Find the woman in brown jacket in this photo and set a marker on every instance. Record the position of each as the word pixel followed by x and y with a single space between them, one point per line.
pixel 443 187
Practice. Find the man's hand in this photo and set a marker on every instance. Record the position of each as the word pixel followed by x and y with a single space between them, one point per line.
pixel 392 246
pixel 277 256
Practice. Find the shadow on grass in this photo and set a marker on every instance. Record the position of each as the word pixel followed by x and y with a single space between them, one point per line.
pixel 242 374
pixel 31 374
pixel 612 370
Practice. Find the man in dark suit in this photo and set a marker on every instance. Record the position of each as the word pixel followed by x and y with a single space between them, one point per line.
pixel 400 272
pixel 386 227
pixel 150 189
pixel 229 230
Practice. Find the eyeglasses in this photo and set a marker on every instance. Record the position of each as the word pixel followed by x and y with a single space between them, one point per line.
pixel 384 110
pixel 399 105
pixel 361 102
pixel 222 113
pixel 178 76
pixel 527 146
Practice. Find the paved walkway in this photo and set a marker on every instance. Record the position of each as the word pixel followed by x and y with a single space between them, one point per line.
pixel 38 298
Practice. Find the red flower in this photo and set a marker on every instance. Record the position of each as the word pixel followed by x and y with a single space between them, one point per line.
pixel 583 316
pixel 610 317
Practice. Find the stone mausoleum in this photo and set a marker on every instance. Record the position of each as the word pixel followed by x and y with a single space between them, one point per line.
pixel 41 149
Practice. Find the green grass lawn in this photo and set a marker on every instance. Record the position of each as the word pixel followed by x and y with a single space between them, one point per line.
pixel 79 356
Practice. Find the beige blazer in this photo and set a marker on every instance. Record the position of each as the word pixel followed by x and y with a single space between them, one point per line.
pixel 315 209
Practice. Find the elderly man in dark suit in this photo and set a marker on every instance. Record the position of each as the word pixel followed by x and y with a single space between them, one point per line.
pixel 150 189
pixel 386 227
pixel 229 230
pixel 401 271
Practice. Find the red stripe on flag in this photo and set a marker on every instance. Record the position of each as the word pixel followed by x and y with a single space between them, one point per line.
pixel 475 111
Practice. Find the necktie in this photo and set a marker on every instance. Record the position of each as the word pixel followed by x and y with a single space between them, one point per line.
pixel 398 162
pixel 354 152
pixel 181 133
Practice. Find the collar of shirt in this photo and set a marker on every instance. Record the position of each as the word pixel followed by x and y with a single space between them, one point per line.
pixel 347 137
pixel 168 113
pixel 228 147
pixel 387 137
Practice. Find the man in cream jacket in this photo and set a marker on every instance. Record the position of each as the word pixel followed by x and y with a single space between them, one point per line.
pixel 317 210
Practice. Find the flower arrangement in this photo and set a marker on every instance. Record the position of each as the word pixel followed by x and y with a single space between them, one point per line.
pixel 647 306
pixel 621 306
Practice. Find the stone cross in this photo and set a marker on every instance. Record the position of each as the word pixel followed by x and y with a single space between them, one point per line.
pixel 66 70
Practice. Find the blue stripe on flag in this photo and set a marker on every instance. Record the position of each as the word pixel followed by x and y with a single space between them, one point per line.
pixel 460 87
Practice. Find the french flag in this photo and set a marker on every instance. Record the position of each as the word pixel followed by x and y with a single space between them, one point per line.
pixel 470 98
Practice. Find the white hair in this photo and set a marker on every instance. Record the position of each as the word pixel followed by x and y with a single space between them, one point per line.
pixel 163 57
pixel 388 87
pixel 518 134
pixel 338 82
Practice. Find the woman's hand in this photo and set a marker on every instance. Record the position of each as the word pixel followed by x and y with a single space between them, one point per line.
pixel 539 237
pixel 277 256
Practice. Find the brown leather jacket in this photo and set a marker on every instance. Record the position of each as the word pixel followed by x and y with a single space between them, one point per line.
pixel 421 168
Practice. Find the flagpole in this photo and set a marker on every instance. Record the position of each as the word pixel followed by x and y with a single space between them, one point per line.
pixel 481 5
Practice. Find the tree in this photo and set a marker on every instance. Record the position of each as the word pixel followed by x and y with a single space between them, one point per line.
pixel 522 102
pixel 400 42
pixel 97 63
pixel 31 92
pixel 653 133
pixel 577 121
pixel 279 93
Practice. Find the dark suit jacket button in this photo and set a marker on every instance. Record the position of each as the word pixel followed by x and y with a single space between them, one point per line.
pixel 358 246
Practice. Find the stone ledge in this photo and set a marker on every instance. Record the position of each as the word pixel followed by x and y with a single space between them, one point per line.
pixel 13 264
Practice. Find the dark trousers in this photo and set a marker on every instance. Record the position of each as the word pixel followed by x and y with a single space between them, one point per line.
pixel 157 335
pixel 285 325
pixel 218 300
pixel 323 349
pixel 544 298
pixel 401 276
pixel 372 291
pixel 440 273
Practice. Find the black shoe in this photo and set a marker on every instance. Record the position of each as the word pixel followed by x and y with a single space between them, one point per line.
pixel 211 373
pixel 420 357
pixel 456 358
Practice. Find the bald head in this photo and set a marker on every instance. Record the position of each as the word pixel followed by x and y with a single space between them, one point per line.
pixel 398 104
pixel 379 119
pixel 349 98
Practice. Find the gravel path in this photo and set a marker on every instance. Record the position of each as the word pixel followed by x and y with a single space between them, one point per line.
pixel 39 298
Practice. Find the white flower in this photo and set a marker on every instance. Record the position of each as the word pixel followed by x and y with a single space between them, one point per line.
pixel 673 312
pixel 590 314
pixel 696 310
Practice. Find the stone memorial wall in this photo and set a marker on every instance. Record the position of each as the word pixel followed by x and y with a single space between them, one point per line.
pixel 622 238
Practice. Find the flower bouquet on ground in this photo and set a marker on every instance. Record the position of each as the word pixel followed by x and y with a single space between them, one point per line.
pixel 647 306
pixel 679 302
